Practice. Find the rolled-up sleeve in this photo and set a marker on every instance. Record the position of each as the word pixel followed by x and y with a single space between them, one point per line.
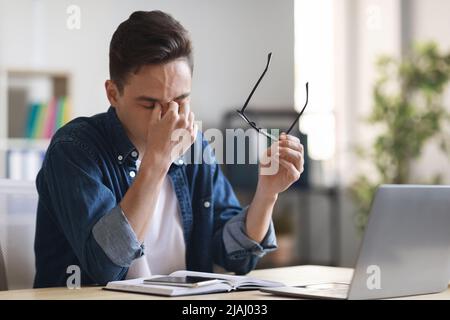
pixel 233 249
pixel 88 213
pixel 238 245
pixel 115 236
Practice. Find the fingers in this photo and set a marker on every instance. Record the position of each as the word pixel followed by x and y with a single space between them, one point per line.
pixel 172 110
pixel 292 150
pixel 290 141
pixel 192 126
pixel 297 146
pixel 184 109
pixel 292 156
pixel 284 136
pixel 194 133
pixel 292 170
pixel 156 113
pixel 187 115
pixel 191 119
pixel 182 116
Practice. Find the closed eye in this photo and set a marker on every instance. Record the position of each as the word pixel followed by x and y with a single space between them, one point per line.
pixel 149 107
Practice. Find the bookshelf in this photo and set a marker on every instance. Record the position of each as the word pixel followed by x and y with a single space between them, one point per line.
pixel 34 103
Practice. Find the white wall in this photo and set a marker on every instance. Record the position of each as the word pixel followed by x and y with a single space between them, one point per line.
pixel 430 21
pixel 231 41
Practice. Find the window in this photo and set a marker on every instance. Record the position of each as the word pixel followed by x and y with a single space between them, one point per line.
pixel 314 62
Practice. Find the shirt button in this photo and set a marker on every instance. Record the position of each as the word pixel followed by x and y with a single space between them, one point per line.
pixel 134 154
pixel 206 204
pixel 120 158
pixel 180 162
pixel 132 174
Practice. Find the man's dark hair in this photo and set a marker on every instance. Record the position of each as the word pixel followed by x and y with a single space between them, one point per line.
pixel 147 37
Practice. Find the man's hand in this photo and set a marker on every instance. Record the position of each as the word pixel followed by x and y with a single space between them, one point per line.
pixel 289 155
pixel 169 135
pixel 139 202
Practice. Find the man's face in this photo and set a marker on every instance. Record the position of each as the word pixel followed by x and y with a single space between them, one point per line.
pixel 153 83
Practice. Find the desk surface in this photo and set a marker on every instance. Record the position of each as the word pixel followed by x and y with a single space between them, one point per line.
pixel 298 275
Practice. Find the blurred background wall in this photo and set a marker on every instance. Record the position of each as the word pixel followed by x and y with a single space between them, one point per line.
pixel 231 42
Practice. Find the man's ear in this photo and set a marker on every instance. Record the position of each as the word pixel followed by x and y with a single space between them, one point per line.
pixel 112 92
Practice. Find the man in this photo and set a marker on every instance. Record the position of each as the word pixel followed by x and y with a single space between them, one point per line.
pixel 112 198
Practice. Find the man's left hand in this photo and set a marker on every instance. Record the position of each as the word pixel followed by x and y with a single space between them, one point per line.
pixel 289 154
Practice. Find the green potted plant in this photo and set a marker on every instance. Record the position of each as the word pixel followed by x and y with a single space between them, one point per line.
pixel 409 112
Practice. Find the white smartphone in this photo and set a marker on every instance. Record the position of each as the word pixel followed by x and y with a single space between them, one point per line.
pixel 187 281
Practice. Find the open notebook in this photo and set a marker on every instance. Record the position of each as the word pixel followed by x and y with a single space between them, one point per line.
pixel 227 283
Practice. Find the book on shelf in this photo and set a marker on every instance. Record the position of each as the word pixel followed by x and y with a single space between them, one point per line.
pixel 43 119
pixel 225 283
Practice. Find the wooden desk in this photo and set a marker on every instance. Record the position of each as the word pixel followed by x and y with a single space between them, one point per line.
pixel 298 275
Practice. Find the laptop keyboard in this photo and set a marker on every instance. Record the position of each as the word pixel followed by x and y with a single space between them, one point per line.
pixel 323 290
pixel 331 290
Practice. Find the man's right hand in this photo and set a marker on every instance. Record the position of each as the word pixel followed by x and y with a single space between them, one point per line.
pixel 169 135
pixel 140 200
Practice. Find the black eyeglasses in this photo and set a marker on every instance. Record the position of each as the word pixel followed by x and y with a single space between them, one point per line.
pixel 253 124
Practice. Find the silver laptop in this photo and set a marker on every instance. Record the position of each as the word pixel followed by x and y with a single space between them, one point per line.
pixel 405 250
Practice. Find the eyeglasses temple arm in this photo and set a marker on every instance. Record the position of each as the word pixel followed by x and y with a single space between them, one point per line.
pixel 301 112
pixel 257 83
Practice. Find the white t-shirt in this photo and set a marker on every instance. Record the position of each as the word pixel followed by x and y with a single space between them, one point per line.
pixel 165 248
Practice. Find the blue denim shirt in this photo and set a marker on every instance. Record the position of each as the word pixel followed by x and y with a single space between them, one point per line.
pixel 88 168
